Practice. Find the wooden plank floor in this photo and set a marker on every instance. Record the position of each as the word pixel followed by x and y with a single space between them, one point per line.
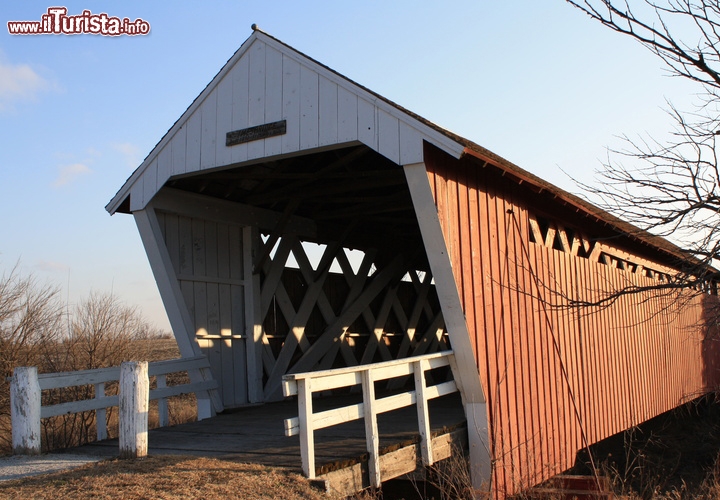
pixel 255 434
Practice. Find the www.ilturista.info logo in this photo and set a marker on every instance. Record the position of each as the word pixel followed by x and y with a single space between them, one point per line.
pixel 57 22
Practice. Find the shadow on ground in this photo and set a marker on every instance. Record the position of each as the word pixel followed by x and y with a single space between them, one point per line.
pixel 673 452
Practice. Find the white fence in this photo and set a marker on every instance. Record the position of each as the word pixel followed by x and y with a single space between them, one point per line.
pixel 26 388
pixel 305 384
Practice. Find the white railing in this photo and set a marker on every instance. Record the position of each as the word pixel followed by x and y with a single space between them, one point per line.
pixel 26 386
pixel 305 384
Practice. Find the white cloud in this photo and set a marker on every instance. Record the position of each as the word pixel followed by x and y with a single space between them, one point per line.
pixel 69 173
pixel 19 82
pixel 131 153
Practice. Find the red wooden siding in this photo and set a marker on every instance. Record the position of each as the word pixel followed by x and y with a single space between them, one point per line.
pixel 558 379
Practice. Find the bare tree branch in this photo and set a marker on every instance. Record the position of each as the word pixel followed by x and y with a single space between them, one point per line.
pixel 670 187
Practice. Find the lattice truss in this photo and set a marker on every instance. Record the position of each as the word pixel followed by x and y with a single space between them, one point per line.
pixel 314 318
pixel 552 234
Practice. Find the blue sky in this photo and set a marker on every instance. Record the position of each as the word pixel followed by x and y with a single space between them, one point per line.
pixel 535 82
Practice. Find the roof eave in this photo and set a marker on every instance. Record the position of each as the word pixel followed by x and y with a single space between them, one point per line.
pixel 124 192
pixel 623 227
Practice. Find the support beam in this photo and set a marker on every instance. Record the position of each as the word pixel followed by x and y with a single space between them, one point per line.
pixel 174 302
pixel 298 321
pixel 465 369
pixel 176 201
pixel 332 334
pixel 253 320
pixel 423 415
pixel 480 462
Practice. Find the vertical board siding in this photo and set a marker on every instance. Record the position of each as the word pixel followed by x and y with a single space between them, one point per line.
pixel 273 99
pixel 178 146
pixel 347 126
pixel 223 154
pixel 240 75
pixel 164 166
pixel 290 142
pixel 192 141
pixel 557 379
pixel 328 112
pixel 309 117
pixel 389 136
pixel 208 139
pixel 207 258
pixel 367 124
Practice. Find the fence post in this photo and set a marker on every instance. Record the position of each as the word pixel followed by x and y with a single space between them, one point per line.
pixel 423 413
pixel 163 415
pixel 305 420
pixel 25 402
pixel 134 404
pixel 100 413
pixel 372 439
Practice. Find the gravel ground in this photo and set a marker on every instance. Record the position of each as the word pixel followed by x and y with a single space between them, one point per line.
pixel 17 466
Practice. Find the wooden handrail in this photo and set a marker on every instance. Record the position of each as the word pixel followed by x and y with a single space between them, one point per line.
pixel 305 384
pixel 98 378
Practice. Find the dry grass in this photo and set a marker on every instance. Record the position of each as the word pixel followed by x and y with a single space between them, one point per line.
pixel 675 456
pixel 165 477
pixel 449 479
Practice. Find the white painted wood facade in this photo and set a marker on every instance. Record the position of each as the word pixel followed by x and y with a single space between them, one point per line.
pixel 207 257
pixel 267 81
pixel 228 291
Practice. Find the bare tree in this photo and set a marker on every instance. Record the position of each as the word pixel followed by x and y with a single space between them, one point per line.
pixel 104 332
pixel 30 318
pixel 30 315
pixel 671 187
pixel 35 330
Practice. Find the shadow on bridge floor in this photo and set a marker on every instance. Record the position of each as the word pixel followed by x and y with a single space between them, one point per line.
pixel 255 434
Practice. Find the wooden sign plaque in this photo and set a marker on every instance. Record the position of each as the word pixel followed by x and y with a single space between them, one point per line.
pixel 255 133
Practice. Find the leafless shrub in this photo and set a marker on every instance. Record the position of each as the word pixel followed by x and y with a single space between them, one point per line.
pixel 103 332
pixel 30 318
pixel 449 479
pixel 30 315
pixel 35 330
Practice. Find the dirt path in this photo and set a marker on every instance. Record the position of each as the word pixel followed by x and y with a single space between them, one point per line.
pixel 16 467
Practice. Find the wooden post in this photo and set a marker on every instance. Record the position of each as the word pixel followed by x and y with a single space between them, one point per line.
pixel 305 417
pixel 204 405
pixel 372 439
pixel 253 310
pixel 100 414
pixel 465 369
pixel 178 314
pixel 478 440
pixel 422 413
pixel 163 414
pixel 25 405
pixel 134 403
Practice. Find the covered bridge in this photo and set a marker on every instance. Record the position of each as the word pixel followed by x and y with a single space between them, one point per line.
pixel 453 248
